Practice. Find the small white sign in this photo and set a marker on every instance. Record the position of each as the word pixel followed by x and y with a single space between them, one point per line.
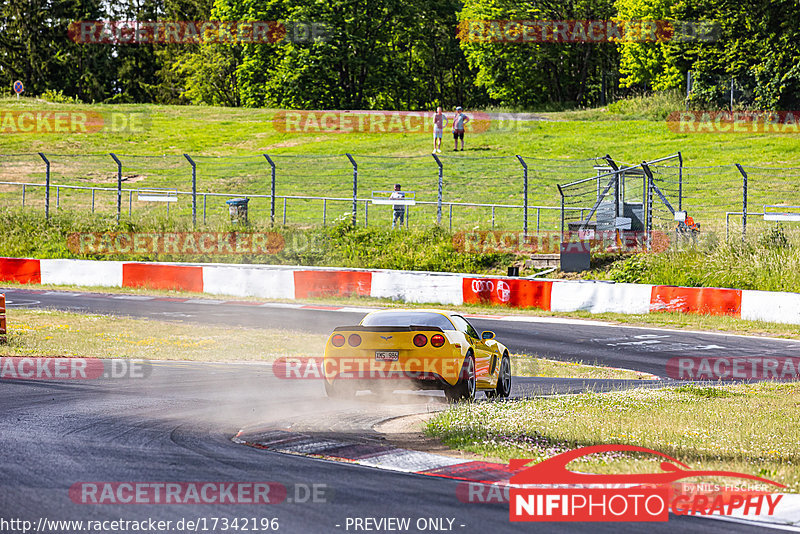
pixel 787 217
pixel 680 216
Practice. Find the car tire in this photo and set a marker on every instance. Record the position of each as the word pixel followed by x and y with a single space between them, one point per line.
pixel 336 390
pixel 503 389
pixel 465 388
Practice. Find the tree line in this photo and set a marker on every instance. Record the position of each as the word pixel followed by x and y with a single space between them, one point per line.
pixel 402 54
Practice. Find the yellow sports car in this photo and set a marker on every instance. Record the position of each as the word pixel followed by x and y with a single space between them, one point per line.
pixel 425 349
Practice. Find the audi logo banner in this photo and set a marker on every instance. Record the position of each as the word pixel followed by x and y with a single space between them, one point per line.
pixel 511 292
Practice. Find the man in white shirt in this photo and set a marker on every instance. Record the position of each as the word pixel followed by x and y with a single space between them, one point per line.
pixel 458 127
pixel 439 122
pixel 399 209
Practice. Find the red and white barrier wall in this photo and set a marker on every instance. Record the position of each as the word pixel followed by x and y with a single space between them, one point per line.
pixel 290 282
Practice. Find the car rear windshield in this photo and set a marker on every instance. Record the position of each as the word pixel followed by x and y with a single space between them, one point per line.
pixel 393 318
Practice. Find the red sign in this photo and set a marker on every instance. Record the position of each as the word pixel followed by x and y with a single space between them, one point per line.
pixel 508 291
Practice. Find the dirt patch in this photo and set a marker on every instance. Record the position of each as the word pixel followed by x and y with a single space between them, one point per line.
pixel 111 178
pixel 291 143
pixel 22 171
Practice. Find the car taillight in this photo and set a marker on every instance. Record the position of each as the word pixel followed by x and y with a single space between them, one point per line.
pixel 337 340
pixel 354 340
pixel 437 340
pixel 420 340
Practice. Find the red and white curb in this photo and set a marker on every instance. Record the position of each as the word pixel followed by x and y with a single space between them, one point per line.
pixel 377 455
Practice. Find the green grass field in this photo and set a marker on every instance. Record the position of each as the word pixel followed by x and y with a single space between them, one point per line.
pixel 228 146
pixel 746 428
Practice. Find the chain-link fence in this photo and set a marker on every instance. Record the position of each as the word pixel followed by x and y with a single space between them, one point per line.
pixel 456 191
pixel 729 200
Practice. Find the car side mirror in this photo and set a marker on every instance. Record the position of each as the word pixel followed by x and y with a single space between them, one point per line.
pixel 488 334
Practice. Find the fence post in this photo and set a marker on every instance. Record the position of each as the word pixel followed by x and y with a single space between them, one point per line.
pixel 680 181
pixel 355 186
pixel 46 188
pixel 451 216
pixel 560 192
pixel 648 217
pixel 194 189
pixel 525 190
pixel 119 184
pixel 744 201
pixel 439 198
pixel 272 189
pixel 688 87
pixel 366 213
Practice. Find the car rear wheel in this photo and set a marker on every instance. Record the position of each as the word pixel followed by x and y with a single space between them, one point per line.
pixel 503 389
pixel 467 383
pixel 337 390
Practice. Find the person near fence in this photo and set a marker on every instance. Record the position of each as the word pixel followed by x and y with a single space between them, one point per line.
pixel 459 121
pixel 439 122
pixel 399 209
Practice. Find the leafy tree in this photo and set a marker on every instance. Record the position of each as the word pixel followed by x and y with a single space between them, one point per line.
pixel 533 74
pixel 648 63
pixel 35 48
pixel 757 44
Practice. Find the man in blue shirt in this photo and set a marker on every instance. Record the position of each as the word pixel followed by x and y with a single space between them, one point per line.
pixel 458 127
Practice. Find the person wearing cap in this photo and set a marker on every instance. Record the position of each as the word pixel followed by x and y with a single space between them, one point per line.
pixel 399 209
pixel 458 127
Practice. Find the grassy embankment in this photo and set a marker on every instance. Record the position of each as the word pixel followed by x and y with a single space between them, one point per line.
pixel 313 162
pixel 630 130
pixel 747 428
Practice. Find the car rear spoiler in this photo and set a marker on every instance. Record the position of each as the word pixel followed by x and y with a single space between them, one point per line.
pixel 412 328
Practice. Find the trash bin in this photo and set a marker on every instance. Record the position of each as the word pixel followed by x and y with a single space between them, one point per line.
pixel 238 209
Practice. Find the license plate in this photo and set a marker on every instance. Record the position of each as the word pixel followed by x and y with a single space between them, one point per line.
pixel 387 355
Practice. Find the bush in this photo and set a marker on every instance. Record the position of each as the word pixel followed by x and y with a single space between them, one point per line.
pixel 655 106
pixel 25 234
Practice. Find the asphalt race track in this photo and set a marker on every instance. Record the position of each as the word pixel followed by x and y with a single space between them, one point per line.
pixel 642 349
pixel 176 425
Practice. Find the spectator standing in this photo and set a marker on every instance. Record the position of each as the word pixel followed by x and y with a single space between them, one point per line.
pixel 458 127
pixel 439 122
pixel 399 209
